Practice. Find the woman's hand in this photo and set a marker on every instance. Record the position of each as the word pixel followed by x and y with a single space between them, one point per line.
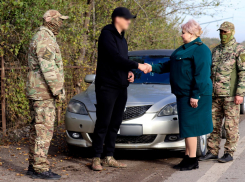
pixel 194 103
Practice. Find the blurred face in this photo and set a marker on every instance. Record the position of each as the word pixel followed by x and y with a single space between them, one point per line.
pixel 122 22
pixel 54 24
pixel 186 36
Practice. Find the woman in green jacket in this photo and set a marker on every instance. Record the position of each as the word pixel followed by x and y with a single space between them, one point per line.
pixel 190 71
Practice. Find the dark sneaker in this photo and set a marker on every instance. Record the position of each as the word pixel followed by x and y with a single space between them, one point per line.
pixel 182 162
pixel 191 163
pixel 30 170
pixel 208 156
pixel 48 175
pixel 226 158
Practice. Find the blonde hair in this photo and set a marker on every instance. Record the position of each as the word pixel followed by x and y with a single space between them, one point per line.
pixel 192 27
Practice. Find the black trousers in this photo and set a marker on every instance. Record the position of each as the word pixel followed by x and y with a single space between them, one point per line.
pixel 111 103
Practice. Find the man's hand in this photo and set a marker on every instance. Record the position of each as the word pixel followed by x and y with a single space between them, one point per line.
pixel 238 100
pixel 149 68
pixel 146 68
pixel 194 103
pixel 141 67
pixel 61 97
pixel 131 77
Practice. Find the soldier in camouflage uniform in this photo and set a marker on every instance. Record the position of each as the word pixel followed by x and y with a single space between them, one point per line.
pixel 44 88
pixel 228 75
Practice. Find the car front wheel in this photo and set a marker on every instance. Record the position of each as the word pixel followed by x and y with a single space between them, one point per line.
pixel 201 145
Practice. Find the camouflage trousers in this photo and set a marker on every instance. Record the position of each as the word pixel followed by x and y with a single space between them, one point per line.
pixel 224 107
pixel 41 133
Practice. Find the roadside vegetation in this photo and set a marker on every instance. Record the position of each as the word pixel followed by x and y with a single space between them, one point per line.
pixel 156 27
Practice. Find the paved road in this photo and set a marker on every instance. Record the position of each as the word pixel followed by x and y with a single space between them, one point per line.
pixel 143 165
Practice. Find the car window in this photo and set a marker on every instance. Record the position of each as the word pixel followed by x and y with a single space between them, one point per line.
pixel 150 78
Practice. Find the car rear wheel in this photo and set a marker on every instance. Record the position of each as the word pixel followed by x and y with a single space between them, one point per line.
pixel 201 145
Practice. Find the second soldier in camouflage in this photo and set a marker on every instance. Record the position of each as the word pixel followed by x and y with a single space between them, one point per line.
pixel 228 75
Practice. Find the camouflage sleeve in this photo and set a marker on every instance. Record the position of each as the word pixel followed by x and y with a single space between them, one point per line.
pixel 46 57
pixel 241 73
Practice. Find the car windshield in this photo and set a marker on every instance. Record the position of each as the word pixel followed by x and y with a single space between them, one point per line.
pixel 150 78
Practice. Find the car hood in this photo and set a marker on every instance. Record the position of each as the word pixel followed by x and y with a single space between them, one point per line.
pixel 138 94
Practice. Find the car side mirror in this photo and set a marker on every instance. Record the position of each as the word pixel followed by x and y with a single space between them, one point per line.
pixel 89 78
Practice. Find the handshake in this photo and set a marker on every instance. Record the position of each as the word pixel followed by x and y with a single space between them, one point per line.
pixel 146 68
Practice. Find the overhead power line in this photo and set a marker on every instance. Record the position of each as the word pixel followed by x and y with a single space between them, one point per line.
pixel 215 21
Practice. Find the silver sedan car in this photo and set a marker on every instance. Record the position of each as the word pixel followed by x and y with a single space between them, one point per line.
pixel 150 118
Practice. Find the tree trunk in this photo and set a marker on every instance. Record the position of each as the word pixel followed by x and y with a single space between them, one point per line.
pixel 94 33
pixel 78 72
pixel 86 26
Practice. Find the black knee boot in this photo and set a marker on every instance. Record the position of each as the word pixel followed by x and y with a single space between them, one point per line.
pixel 191 163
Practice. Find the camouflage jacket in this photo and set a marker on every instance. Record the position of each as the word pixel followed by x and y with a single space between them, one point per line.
pixel 228 69
pixel 45 78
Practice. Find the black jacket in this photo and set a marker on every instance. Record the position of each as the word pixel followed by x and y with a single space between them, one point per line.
pixel 113 64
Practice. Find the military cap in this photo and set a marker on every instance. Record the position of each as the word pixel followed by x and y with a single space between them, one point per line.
pixel 53 14
pixel 227 26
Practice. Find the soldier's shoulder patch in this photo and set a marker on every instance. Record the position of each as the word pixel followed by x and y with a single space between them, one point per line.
pixel 242 56
pixel 47 55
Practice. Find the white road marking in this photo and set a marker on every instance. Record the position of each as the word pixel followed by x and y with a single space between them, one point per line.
pixel 218 169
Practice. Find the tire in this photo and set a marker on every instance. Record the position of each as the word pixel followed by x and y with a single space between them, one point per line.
pixel 201 145
pixel 242 106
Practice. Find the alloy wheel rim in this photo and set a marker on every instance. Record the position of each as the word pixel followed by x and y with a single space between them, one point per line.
pixel 203 139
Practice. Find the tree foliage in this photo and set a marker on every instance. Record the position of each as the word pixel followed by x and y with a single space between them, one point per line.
pixel 156 25
pixel 211 42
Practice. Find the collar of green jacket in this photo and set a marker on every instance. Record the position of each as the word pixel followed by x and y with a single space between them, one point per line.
pixel 198 39
pixel 46 29
pixel 231 43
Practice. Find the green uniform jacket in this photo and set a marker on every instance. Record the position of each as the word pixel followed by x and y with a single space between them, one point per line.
pixel 190 70
pixel 228 69
pixel 45 78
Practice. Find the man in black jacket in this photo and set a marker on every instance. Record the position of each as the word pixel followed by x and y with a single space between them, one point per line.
pixel 112 79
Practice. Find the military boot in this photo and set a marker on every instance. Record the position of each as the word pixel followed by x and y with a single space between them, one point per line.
pixel 226 158
pixel 96 164
pixel 30 170
pixel 111 162
pixel 208 156
pixel 48 175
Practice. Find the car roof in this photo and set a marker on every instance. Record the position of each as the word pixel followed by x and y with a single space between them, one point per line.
pixel 159 52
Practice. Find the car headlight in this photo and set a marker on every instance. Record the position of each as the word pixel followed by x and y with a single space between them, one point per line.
pixel 170 109
pixel 77 107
